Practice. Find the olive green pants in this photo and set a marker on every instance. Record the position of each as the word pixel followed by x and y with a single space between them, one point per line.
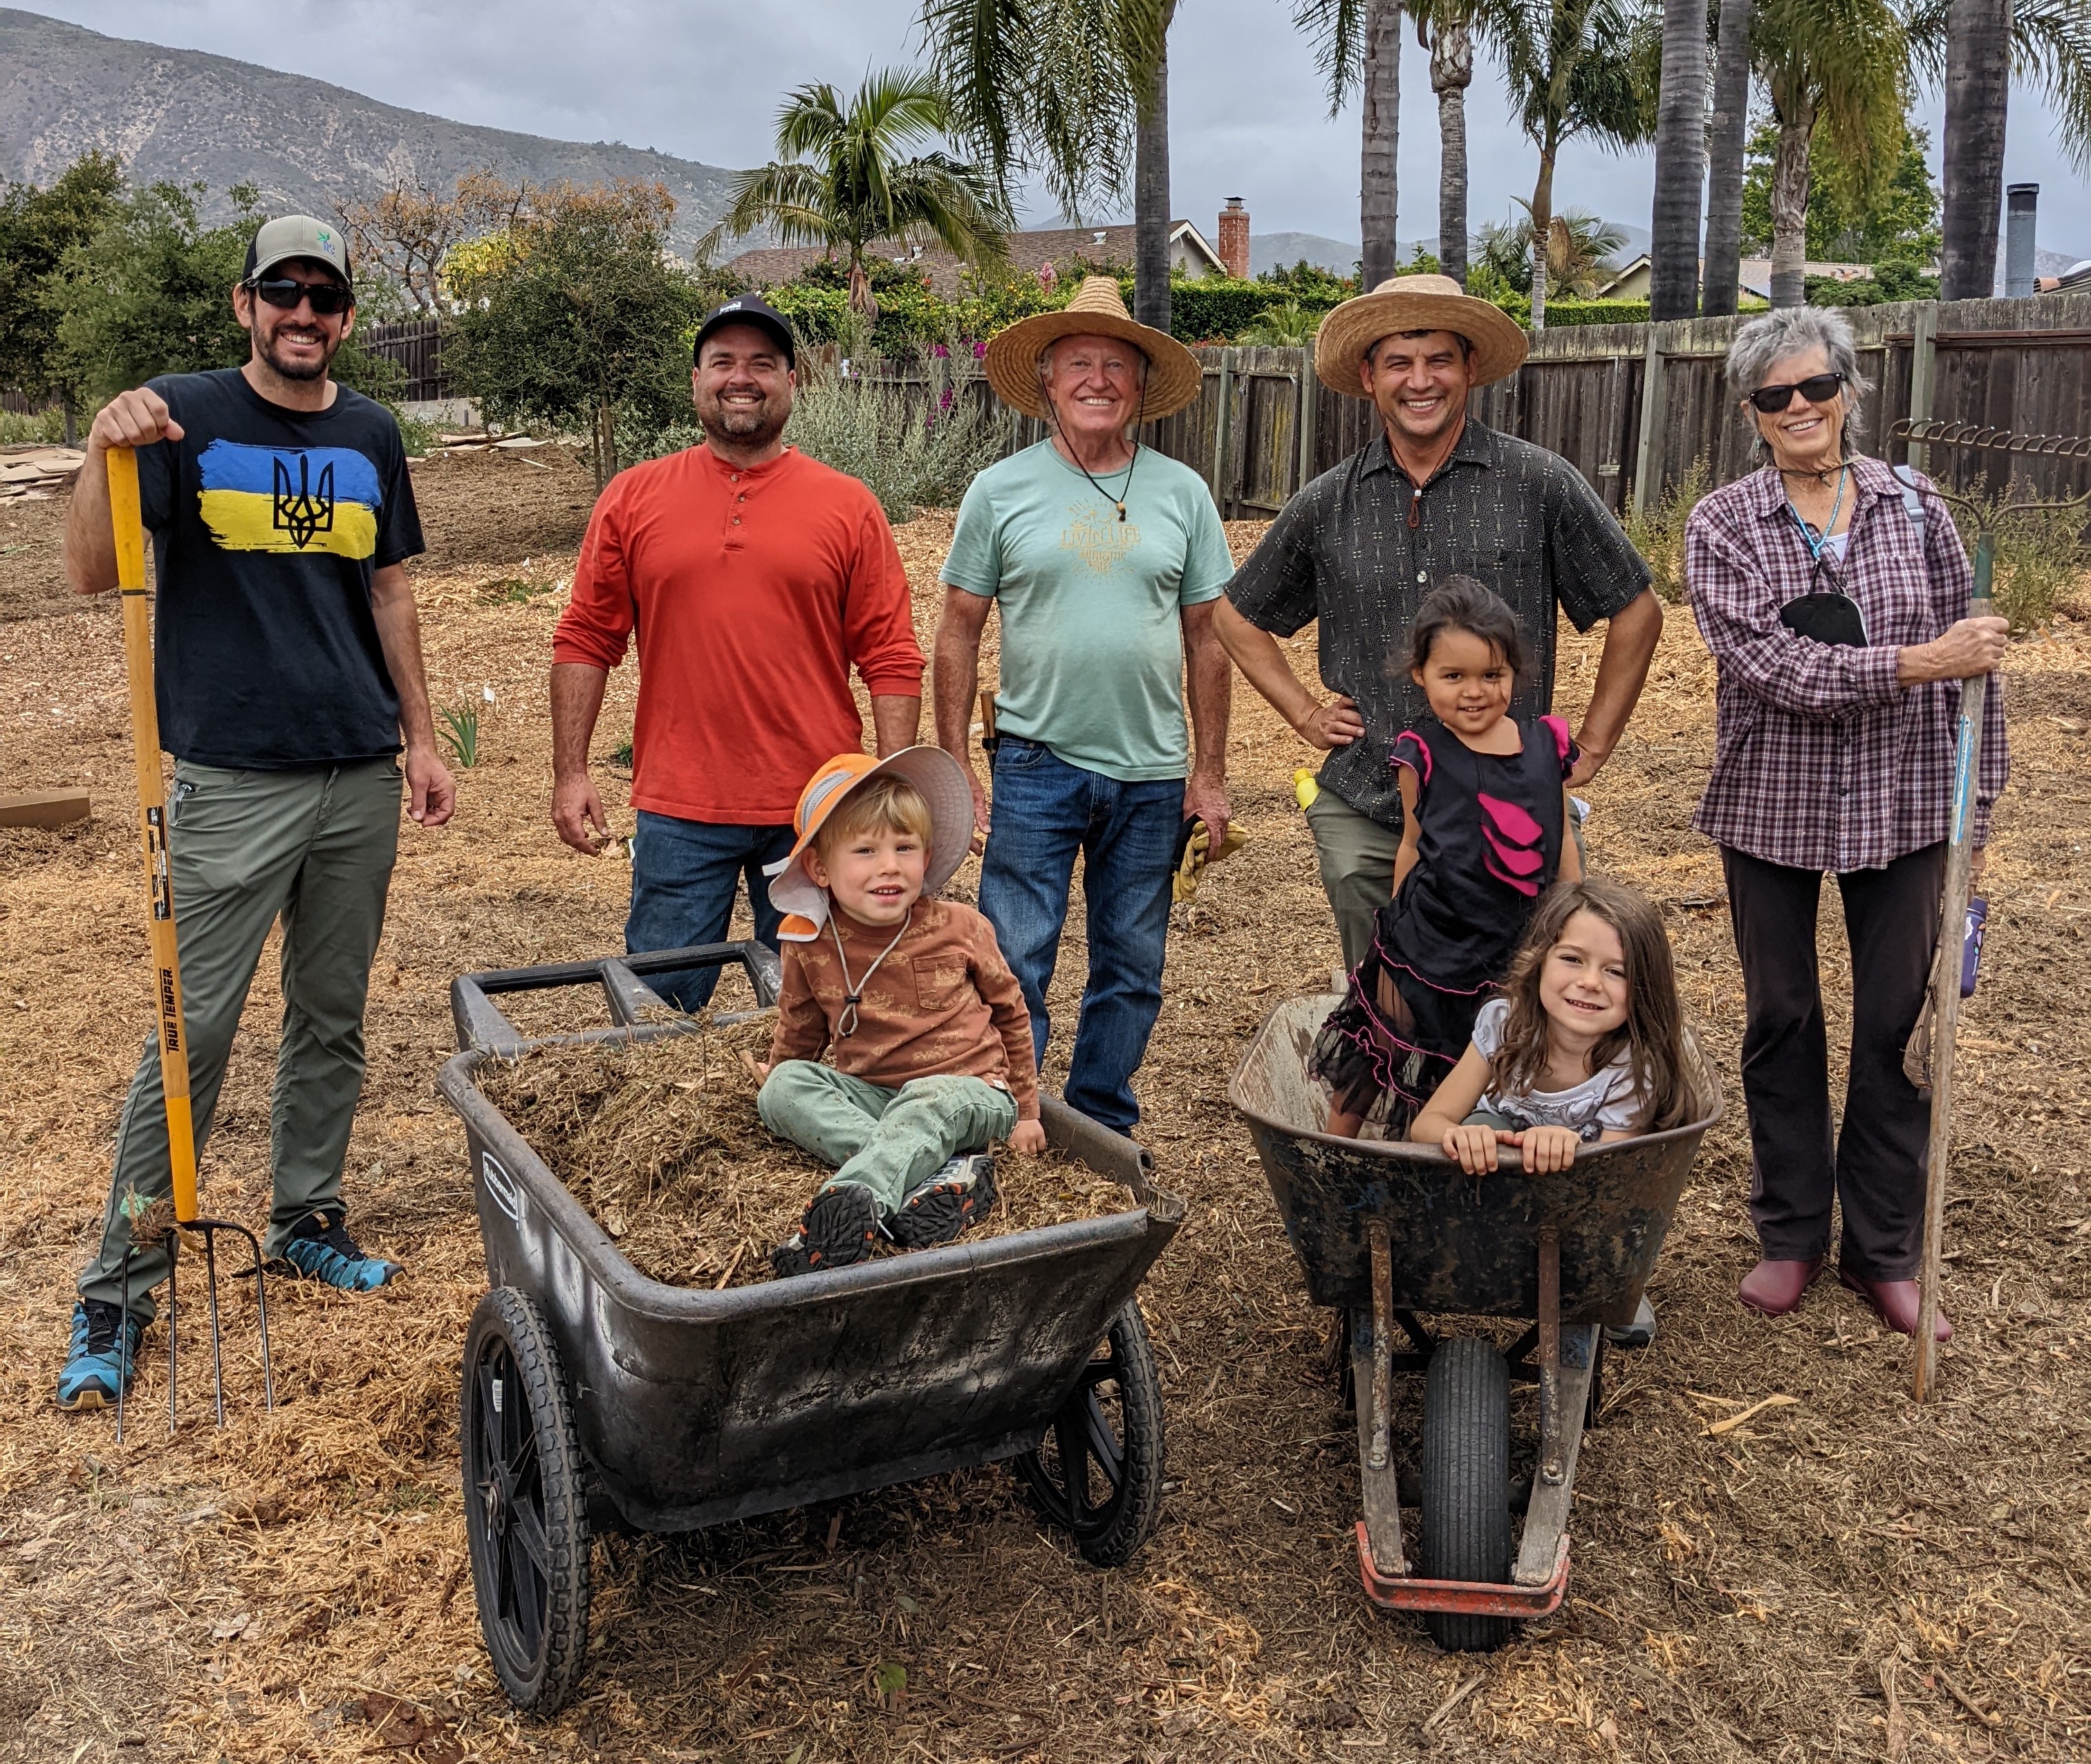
pixel 890 1141
pixel 315 848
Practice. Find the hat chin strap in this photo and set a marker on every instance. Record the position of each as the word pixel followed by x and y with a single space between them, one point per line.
pixel 1059 428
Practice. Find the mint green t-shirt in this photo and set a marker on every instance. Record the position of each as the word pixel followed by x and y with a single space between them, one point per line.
pixel 1092 624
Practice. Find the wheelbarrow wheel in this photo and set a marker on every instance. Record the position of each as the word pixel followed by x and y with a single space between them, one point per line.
pixel 1466 1471
pixel 525 1503
pixel 1098 1473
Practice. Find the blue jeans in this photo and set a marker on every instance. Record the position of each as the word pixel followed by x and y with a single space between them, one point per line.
pixel 1045 811
pixel 685 876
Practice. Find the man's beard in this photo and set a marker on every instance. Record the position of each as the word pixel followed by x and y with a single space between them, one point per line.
pixel 263 339
pixel 745 426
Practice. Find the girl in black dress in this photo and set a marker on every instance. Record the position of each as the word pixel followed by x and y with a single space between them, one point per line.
pixel 1484 810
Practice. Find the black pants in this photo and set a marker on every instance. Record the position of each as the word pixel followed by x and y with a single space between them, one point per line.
pixel 1877 1165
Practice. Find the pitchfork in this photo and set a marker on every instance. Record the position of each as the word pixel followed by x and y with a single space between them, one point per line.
pixel 1945 1011
pixel 167 972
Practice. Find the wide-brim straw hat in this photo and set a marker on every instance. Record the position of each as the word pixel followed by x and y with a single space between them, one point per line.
pixel 1174 376
pixel 939 779
pixel 1415 302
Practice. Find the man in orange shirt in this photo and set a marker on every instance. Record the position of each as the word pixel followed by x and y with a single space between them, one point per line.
pixel 757 578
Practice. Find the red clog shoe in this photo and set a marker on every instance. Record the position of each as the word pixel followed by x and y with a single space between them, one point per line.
pixel 1773 1288
pixel 1895 1302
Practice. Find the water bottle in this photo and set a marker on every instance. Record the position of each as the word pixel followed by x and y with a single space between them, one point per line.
pixel 1970 945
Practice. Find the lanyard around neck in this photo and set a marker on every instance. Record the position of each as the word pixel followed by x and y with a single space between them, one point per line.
pixel 853 989
pixel 1807 536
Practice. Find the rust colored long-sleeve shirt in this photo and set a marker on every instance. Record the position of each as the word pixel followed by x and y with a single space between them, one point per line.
pixel 754 590
pixel 944 1003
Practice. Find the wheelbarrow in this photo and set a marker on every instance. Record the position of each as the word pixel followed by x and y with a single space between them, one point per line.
pixel 1388 1232
pixel 593 1395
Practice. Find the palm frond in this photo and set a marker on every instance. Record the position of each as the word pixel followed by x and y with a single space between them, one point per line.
pixel 1337 29
pixel 2051 50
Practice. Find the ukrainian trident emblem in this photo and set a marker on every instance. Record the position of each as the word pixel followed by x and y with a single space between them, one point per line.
pixel 308 509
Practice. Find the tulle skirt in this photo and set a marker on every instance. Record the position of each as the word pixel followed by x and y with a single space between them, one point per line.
pixel 1395 1037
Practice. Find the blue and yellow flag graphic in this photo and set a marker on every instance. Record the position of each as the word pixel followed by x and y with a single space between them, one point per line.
pixel 290 499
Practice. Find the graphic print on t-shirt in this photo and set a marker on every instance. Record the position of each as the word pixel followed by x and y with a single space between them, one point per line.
pixel 299 500
pixel 1100 540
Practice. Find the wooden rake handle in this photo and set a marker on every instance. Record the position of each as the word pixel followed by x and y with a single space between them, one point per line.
pixel 130 535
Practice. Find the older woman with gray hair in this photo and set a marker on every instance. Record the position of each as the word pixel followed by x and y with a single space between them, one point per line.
pixel 1833 591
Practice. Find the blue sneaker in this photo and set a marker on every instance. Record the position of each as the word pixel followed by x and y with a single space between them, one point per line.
pixel 320 1250
pixel 95 1367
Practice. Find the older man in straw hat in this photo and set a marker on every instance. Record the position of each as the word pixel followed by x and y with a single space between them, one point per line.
pixel 1433 495
pixel 1107 560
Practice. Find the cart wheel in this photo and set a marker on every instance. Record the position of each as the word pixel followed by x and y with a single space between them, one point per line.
pixel 525 1506
pixel 1098 1473
pixel 1466 1472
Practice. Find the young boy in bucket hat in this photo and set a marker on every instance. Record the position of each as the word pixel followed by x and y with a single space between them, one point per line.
pixel 926 1032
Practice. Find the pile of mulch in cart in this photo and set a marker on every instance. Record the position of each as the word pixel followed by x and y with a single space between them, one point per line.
pixel 660 1140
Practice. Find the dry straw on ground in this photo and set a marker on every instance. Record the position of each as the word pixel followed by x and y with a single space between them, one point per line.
pixel 1846 1576
pixel 660 1140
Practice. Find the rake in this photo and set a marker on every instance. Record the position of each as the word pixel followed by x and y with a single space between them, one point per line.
pixel 1945 1008
pixel 167 972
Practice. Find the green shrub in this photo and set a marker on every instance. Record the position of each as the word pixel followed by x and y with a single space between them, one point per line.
pixel 1659 534
pixel 2039 553
pixel 1287 324
pixel 878 433
pixel 38 428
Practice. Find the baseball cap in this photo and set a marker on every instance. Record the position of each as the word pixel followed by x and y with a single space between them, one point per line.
pixel 747 309
pixel 297 235
pixel 939 779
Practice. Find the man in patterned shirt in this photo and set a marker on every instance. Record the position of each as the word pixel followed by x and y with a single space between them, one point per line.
pixel 1435 495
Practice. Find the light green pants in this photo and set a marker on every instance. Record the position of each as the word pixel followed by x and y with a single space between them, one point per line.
pixel 315 848
pixel 889 1141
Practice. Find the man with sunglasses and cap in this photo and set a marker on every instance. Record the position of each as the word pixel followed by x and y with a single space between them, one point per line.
pixel 292 694
pixel 756 579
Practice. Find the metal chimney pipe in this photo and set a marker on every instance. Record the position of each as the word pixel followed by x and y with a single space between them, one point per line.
pixel 2021 201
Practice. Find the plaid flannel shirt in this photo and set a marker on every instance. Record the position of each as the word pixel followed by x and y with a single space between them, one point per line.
pixel 1821 761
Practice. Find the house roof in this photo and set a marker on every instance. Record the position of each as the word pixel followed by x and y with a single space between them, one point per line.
pixel 1028 252
pixel 1754 277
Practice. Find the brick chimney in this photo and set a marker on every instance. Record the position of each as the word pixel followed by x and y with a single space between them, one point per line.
pixel 1233 241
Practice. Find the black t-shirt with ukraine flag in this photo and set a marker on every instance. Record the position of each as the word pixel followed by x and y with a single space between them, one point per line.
pixel 267 526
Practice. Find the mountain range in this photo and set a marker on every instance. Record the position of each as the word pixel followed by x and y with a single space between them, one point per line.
pixel 187 117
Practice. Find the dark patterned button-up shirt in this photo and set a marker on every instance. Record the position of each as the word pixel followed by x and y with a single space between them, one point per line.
pixel 1821 761
pixel 1515 517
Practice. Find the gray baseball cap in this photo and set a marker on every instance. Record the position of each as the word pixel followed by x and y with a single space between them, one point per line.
pixel 298 236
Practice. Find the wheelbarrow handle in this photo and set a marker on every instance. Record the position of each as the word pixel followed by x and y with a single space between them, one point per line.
pixel 481 1025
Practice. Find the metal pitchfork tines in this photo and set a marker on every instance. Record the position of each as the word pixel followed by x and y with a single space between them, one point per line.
pixel 1943 1011
pixel 179 1223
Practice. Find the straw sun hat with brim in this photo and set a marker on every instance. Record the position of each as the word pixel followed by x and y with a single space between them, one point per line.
pixel 1415 302
pixel 1174 376
pixel 942 782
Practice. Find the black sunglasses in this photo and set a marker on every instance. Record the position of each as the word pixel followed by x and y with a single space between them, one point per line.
pixel 1818 389
pixel 285 293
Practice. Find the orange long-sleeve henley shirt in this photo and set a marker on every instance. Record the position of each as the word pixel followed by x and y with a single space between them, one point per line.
pixel 754 591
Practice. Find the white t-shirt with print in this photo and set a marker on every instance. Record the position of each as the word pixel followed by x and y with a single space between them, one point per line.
pixel 1607 1101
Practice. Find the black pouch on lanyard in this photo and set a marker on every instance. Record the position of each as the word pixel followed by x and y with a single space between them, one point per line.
pixel 1827 617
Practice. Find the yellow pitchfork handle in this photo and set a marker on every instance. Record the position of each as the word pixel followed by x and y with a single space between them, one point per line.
pixel 123 514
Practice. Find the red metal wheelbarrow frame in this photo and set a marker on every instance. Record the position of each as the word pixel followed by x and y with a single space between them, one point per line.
pixel 1472 1598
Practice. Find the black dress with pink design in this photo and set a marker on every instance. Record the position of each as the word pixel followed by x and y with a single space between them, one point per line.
pixel 1488 833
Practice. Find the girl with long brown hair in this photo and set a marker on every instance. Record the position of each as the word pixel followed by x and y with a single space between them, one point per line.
pixel 1586 1043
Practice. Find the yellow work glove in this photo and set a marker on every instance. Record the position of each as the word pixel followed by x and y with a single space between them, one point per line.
pixel 1196 850
pixel 1305 786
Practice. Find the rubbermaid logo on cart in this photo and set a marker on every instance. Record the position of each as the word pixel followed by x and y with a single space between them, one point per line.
pixel 500 1187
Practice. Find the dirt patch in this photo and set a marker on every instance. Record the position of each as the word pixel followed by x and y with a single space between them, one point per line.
pixel 661 1143
pixel 1847 1576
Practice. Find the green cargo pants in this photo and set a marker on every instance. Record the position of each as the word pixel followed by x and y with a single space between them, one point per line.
pixel 889 1141
pixel 314 846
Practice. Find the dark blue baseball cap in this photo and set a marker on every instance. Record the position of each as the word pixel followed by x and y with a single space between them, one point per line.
pixel 748 309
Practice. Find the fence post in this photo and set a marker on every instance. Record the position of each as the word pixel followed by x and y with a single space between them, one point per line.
pixel 1645 453
pixel 1223 430
pixel 1923 365
pixel 1310 400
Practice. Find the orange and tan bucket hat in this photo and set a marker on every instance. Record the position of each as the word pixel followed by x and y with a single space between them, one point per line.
pixel 939 779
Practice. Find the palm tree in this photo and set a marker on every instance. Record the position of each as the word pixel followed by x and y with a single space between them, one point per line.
pixel 1451 41
pixel 1680 163
pixel 1071 90
pixel 1838 65
pixel 1726 133
pixel 1358 43
pixel 1978 46
pixel 1572 67
pixel 840 181
pixel 1579 250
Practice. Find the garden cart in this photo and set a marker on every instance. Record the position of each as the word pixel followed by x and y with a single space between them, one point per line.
pixel 1387 1233
pixel 593 1394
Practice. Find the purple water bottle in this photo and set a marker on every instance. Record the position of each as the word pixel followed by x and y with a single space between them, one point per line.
pixel 1970 945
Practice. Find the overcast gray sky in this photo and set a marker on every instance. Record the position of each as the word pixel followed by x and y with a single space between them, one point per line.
pixel 701 79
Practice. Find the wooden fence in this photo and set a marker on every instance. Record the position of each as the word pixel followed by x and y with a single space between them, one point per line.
pixel 417 346
pixel 1632 406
